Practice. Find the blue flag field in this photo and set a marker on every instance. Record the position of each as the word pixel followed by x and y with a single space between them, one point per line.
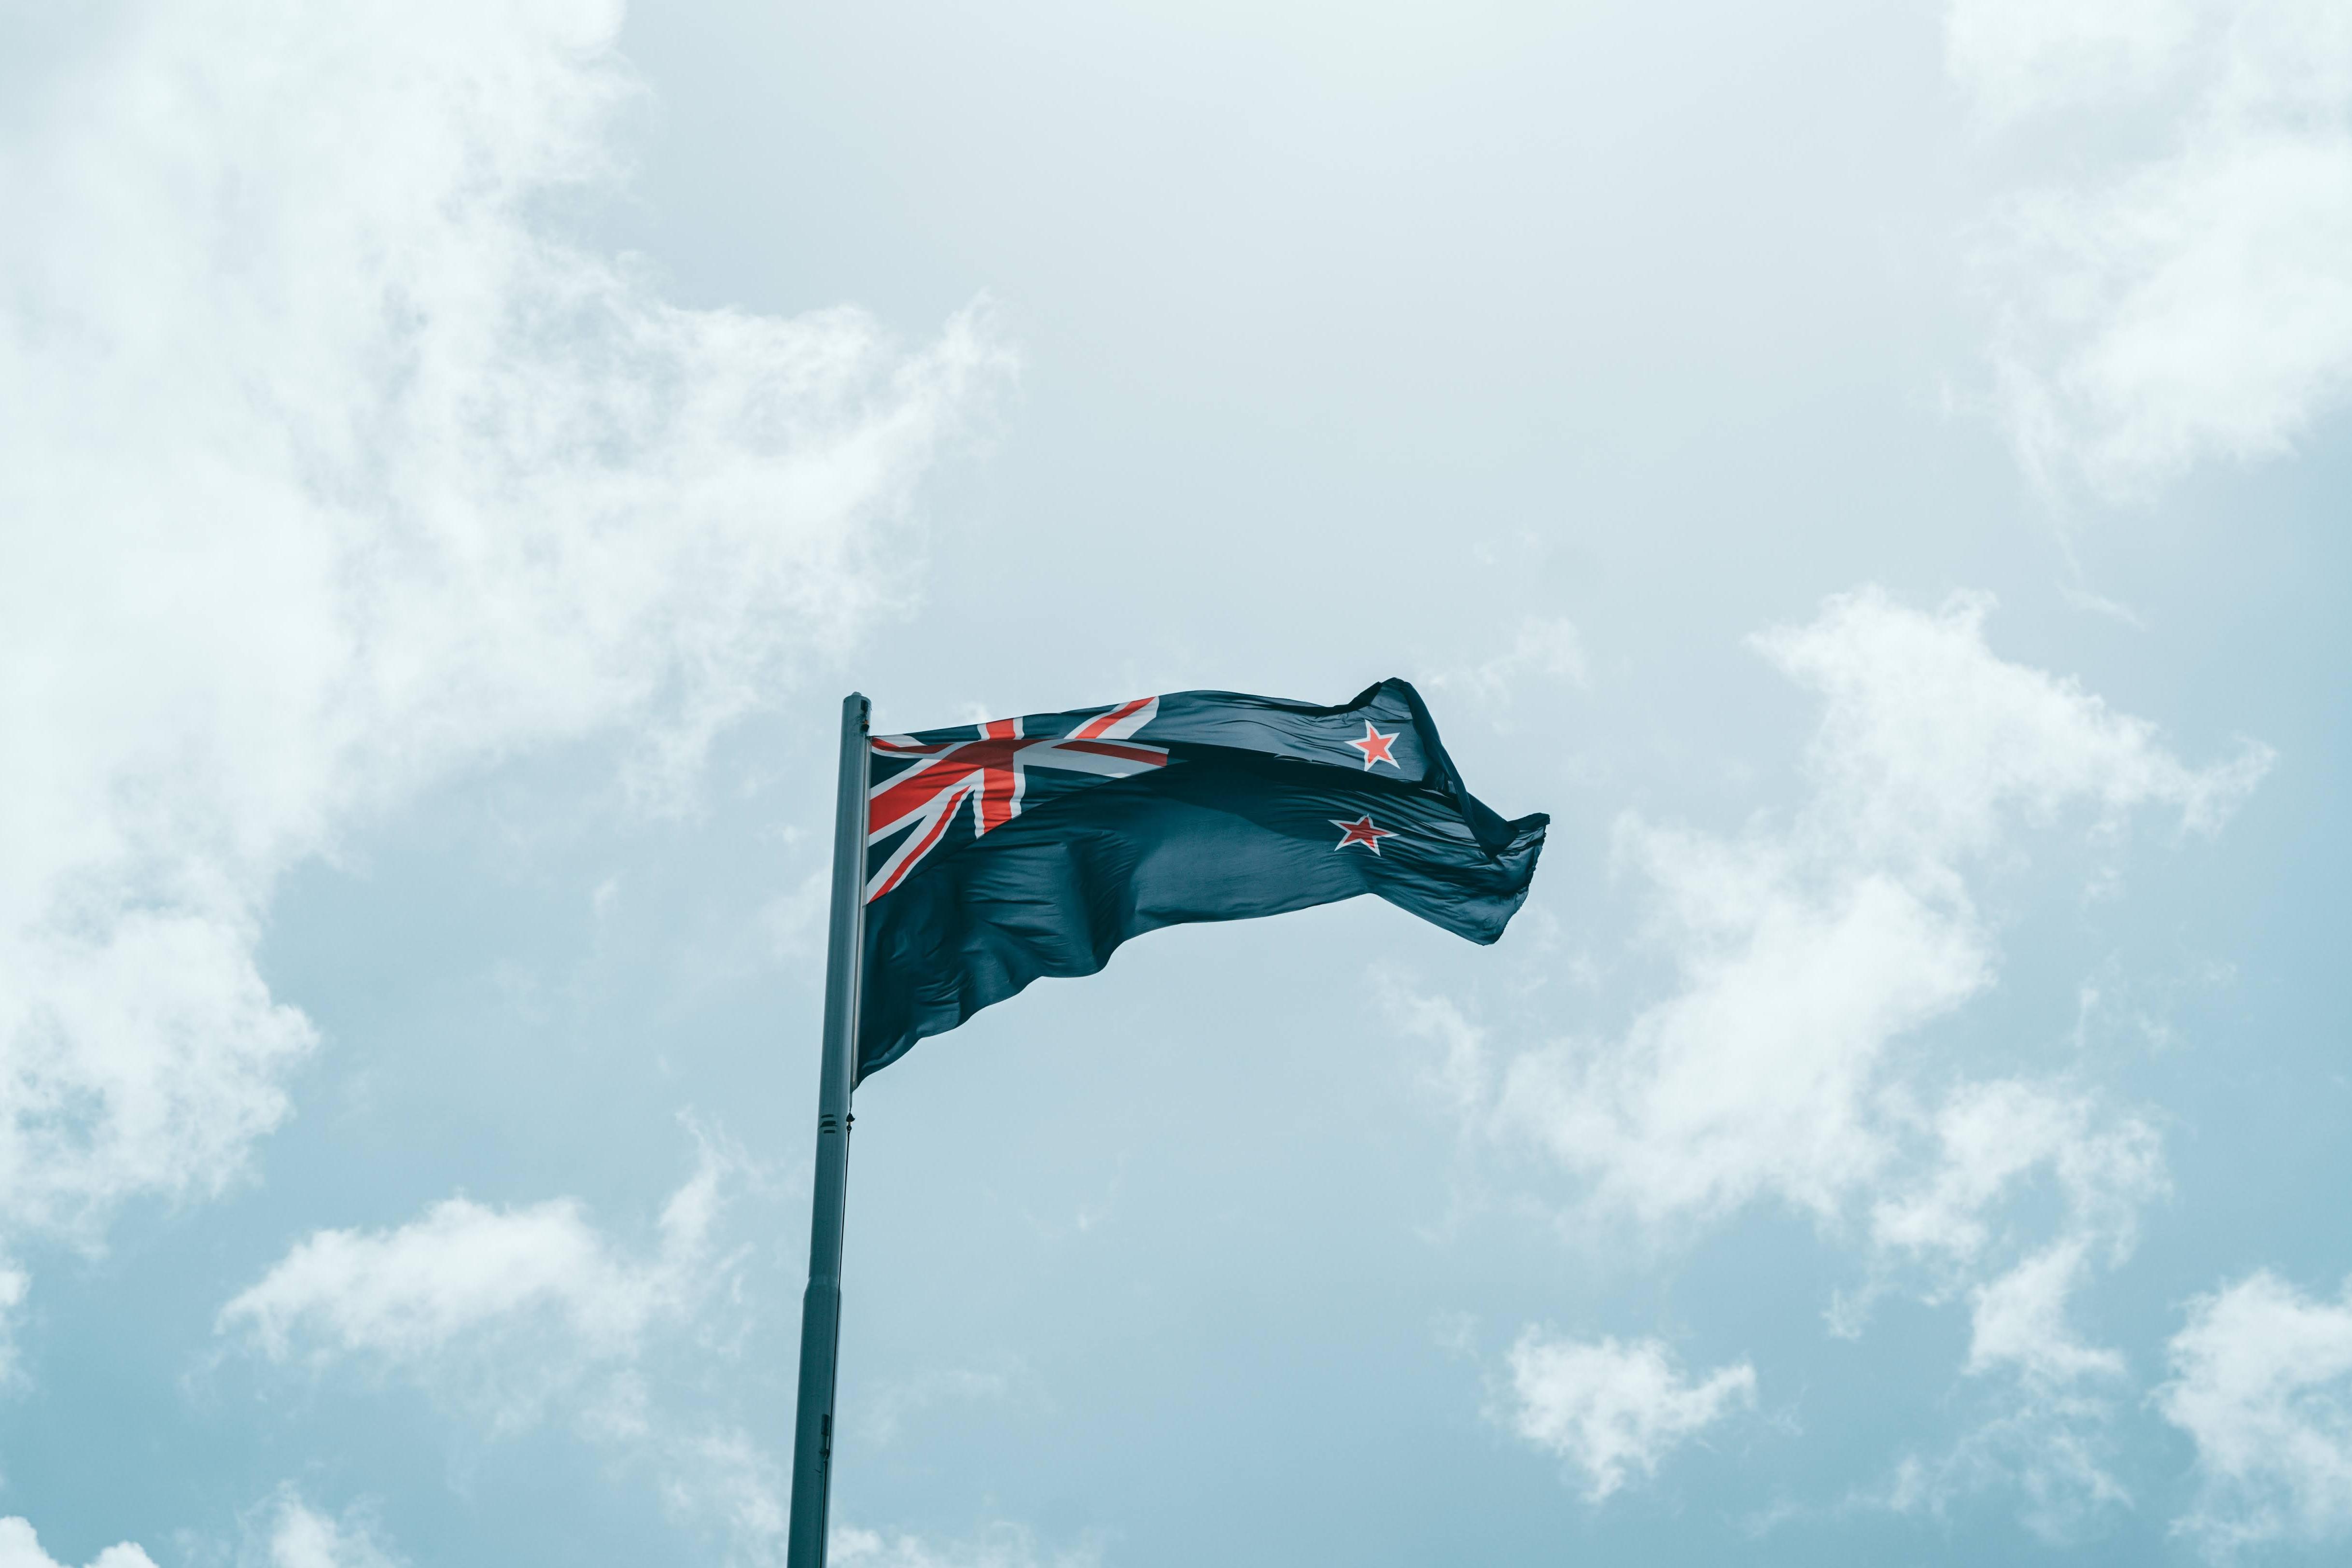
pixel 1003 851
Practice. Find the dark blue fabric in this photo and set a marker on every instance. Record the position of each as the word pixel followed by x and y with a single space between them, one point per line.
pixel 1246 819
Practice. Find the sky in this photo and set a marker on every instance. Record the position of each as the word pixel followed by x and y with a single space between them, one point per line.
pixel 1871 472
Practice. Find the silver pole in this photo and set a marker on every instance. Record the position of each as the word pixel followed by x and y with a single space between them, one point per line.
pixel 821 1307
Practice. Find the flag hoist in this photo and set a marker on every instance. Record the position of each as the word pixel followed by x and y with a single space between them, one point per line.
pixel 969 861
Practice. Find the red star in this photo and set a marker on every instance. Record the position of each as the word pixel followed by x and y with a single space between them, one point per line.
pixel 1375 747
pixel 1361 831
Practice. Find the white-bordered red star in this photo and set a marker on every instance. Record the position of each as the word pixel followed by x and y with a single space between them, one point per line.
pixel 1375 747
pixel 1361 831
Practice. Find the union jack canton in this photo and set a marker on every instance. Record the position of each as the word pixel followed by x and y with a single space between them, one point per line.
pixel 920 801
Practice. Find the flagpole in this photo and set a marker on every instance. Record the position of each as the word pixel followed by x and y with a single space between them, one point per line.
pixel 821 1307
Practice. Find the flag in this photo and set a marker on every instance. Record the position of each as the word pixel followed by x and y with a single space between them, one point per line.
pixel 1002 851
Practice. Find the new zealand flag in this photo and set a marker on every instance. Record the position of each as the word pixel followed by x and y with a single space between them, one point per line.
pixel 1002 851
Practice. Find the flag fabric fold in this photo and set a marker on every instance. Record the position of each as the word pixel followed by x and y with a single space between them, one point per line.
pixel 1000 852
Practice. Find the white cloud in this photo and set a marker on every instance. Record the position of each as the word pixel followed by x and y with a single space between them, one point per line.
pixel 2020 1319
pixel 514 1316
pixel 2194 301
pixel 1931 746
pixel 722 1478
pixel 497 1310
pixel 283 1532
pixel 519 1315
pixel 292 1534
pixel 998 1545
pixel 2052 1439
pixel 1462 1077
pixel 2015 56
pixel 14 1284
pixel 1759 1076
pixel 1808 951
pixel 1546 648
pixel 2052 1447
pixel 329 467
pixel 20 1548
pixel 2263 1385
pixel 1607 1408
pixel 1989 1140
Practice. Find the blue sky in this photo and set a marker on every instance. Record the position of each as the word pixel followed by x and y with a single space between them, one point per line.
pixel 1872 473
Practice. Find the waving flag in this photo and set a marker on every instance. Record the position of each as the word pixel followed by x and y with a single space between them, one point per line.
pixel 1019 848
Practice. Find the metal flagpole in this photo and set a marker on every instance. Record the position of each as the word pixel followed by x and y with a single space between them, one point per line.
pixel 821 1307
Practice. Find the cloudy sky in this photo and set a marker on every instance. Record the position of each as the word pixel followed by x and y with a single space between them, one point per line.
pixel 1865 469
